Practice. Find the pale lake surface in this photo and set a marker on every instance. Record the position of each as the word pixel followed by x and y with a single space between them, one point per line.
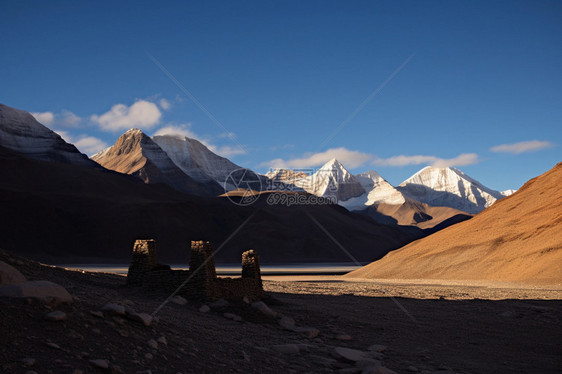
pixel 335 268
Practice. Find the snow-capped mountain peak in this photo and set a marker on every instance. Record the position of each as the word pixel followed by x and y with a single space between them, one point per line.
pixel 449 187
pixel 332 179
pixel 379 190
pixel 508 192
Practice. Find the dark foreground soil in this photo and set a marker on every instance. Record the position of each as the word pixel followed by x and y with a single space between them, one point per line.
pixel 426 328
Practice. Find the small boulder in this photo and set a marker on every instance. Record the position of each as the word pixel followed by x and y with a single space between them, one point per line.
pixel 102 364
pixel 96 313
pixel 378 370
pixel 377 348
pixel 162 340
pixel 233 317
pixel 287 323
pixel 289 349
pixel 42 290
pixel 56 315
pixel 368 363
pixel 344 337
pixel 10 275
pixel 113 308
pixel 204 309
pixel 309 332
pixel 262 307
pixel 219 303
pixel 144 318
pixel 152 344
pixel 348 354
pixel 179 300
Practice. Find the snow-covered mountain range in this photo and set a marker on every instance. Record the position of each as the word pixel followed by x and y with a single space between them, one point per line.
pixel 447 187
pixel 189 166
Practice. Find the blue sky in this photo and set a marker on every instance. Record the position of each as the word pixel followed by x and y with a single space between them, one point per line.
pixel 446 82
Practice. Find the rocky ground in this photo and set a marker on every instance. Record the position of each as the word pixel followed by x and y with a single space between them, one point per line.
pixel 310 326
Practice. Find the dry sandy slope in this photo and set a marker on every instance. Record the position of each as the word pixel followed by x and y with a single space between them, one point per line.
pixel 518 239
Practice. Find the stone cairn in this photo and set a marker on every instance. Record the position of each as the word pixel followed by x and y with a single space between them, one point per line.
pixel 146 272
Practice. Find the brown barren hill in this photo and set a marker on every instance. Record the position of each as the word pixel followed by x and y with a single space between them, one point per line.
pixel 415 213
pixel 518 239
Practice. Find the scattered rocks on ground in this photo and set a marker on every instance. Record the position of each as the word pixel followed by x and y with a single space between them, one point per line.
pixel 56 315
pixel 42 290
pixel 162 340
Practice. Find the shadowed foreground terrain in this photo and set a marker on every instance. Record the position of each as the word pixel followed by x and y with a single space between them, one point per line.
pixel 456 330
pixel 61 213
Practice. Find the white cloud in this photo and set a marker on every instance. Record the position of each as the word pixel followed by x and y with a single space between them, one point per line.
pixel 63 119
pixel 142 114
pixel 348 158
pixel 402 160
pixel 90 145
pixel 182 130
pixel 45 118
pixel 226 151
pixel 185 130
pixel 521 147
pixel 67 119
pixel 165 104
pixel 86 144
